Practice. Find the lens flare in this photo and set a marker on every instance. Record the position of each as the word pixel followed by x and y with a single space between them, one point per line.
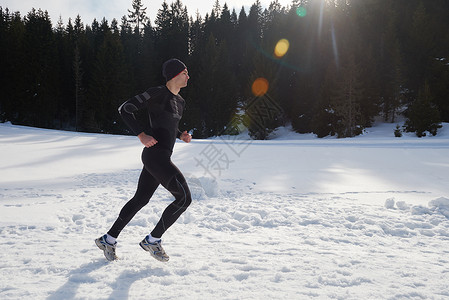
pixel 281 48
pixel 301 11
pixel 260 87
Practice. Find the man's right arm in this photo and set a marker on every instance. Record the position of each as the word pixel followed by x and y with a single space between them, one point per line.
pixel 129 108
pixel 147 140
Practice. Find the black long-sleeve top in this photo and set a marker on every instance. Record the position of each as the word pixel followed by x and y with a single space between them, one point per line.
pixel 164 113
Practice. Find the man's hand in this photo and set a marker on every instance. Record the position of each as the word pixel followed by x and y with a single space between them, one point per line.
pixel 186 137
pixel 147 140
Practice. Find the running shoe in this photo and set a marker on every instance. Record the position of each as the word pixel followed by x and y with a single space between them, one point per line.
pixel 108 249
pixel 155 249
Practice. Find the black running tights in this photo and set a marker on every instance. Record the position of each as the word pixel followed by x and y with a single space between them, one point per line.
pixel 158 169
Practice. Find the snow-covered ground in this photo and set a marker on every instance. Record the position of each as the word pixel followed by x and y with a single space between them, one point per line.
pixel 295 217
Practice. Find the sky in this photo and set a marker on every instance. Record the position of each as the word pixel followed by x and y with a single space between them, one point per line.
pixel 90 9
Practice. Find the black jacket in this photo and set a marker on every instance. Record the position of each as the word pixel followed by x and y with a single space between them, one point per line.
pixel 164 113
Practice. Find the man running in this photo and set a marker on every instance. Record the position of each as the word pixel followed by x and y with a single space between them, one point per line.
pixel 165 107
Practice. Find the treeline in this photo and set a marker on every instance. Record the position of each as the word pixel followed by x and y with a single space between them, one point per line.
pixel 328 67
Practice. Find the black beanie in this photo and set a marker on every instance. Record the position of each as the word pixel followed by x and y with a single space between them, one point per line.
pixel 172 67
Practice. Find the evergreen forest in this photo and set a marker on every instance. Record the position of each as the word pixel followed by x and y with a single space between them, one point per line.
pixel 330 67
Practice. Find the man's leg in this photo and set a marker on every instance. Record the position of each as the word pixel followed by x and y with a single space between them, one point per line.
pixel 179 189
pixel 145 189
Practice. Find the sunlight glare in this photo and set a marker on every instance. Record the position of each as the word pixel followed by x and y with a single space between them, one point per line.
pixel 334 45
pixel 301 11
pixel 260 87
pixel 281 48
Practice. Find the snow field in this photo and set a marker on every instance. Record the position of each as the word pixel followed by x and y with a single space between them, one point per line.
pixel 289 219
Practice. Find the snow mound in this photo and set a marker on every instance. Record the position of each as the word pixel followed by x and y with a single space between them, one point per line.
pixel 436 206
pixel 202 188
pixel 441 205
pixel 389 203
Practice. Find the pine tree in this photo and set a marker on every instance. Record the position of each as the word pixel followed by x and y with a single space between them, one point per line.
pixel 148 59
pixel 255 23
pixel 64 80
pixel 196 36
pixel 108 87
pixel 137 16
pixel 439 86
pixel 346 98
pixel 225 29
pixel 8 43
pixel 79 90
pixel 216 8
pixel 172 32
pixel 224 91
pixel 423 115
pixel 41 75
pixel 324 120
pixel 125 27
pixel 263 112
pixel 206 83
pixel 422 45
pixel 179 44
pixel 391 64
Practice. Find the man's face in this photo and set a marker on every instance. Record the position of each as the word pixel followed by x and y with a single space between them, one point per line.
pixel 181 79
